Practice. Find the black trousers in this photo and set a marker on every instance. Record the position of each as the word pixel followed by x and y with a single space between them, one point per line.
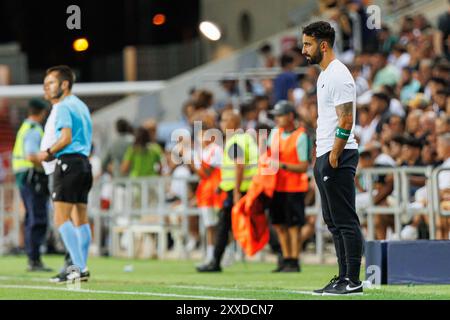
pixel 337 192
pixel 36 220
pixel 223 227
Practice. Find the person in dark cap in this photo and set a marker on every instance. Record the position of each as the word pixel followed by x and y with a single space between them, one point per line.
pixel 289 149
pixel 32 182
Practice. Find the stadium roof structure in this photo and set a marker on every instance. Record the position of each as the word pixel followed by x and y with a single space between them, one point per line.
pixel 87 89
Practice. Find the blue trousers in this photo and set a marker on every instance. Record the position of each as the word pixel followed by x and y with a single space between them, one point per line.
pixel 36 221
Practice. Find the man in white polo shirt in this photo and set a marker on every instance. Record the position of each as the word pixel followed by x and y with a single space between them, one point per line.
pixel 337 156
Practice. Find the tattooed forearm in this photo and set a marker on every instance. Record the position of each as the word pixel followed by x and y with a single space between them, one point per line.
pixel 345 115
pixel 345 121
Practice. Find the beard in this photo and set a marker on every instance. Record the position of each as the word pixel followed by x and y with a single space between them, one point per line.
pixel 316 58
pixel 58 94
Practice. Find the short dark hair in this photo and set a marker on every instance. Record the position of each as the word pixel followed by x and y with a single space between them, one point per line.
pixel 382 54
pixel 382 96
pixel 321 30
pixel 141 137
pixel 363 108
pixel 247 107
pixel 265 48
pixel 259 98
pixel 388 90
pixel 414 142
pixel 36 106
pixel 439 80
pixel 400 139
pixel 286 59
pixel 65 73
pixel 263 126
pixel 123 126
pixel 443 66
pixel 399 47
pixel 204 100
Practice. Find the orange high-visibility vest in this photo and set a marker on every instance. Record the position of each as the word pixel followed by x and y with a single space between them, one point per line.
pixel 208 193
pixel 288 181
pixel 248 220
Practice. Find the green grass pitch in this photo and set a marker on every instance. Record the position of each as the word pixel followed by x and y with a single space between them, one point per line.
pixel 154 279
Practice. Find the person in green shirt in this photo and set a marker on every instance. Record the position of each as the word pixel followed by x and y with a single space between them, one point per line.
pixel 113 157
pixel 142 159
pixel 384 72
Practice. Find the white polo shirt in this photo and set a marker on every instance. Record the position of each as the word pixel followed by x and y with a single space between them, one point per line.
pixel 49 139
pixel 335 86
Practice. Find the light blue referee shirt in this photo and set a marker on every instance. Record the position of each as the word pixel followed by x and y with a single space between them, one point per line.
pixel 74 114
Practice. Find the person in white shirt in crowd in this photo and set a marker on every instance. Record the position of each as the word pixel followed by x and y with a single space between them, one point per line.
pixel 410 231
pixel 399 57
pixel 365 129
pixel 362 85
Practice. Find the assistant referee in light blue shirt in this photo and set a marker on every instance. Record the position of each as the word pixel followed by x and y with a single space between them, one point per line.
pixel 73 175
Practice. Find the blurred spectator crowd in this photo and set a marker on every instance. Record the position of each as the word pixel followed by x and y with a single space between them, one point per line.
pixel 403 112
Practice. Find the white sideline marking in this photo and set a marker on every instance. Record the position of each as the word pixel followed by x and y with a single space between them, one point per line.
pixel 154 294
pixel 42 280
pixel 6 278
pixel 242 289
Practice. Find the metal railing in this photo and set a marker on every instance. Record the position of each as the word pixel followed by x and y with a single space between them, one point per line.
pixel 369 174
pixel 436 206
pixel 401 189
pixel 405 172
pixel 137 198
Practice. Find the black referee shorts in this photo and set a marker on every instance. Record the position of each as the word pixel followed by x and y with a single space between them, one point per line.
pixel 72 179
pixel 288 208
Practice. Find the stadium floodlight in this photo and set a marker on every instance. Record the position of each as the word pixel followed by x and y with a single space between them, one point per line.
pixel 80 44
pixel 159 19
pixel 210 30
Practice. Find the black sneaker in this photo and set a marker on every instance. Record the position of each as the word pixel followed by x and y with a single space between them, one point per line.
pixel 73 277
pixel 38 266
pixel 345 288
pixel 84 276
pixel 211 267
pixel 59 278
pixel 62 277
pixel 280 266
pixel 291 265
pixel 333 281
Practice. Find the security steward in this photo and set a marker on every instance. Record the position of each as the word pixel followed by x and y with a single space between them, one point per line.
pixel 240 164
pixel 32 182
pixel 289 150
